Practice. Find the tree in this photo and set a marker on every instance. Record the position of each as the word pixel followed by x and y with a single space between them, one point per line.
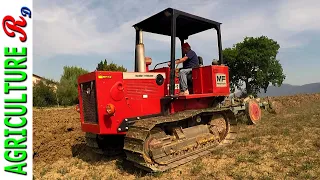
pixel 104 66
pixel 253 63
pixel 44 94
pixel 68 87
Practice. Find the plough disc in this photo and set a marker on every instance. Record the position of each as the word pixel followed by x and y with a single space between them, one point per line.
pixel 253 111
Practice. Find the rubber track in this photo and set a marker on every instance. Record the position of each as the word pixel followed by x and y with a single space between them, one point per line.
pixel 139 131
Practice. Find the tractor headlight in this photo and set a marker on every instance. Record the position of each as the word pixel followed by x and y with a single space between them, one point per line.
pixel 110 109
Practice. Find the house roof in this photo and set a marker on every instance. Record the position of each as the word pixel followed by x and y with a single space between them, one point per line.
pixel 34 75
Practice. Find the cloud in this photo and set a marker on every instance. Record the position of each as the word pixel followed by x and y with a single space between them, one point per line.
pixel 72 29
pixel 257 20
pixel 105 27
pixel 297 16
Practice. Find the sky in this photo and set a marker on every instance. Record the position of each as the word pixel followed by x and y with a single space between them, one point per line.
pixel 84 32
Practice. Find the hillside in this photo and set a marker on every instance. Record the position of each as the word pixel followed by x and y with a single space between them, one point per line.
pixel 287 89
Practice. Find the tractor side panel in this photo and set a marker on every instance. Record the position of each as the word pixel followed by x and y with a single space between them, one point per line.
pixel 211 79
pixel 143 94
pixel 190 104
pixel 132 94
pixel 198 80
pixel 216 79
pixel 110 90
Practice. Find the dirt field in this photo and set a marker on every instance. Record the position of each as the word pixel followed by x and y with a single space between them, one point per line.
pixel 283 146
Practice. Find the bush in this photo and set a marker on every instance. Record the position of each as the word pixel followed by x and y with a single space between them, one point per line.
pixel 68 87
pixel 43 95
pixel 67 93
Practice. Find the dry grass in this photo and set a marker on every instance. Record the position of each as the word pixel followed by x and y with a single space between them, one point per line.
pixel 283 146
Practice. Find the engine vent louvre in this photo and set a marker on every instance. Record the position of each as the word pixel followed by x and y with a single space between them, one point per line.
pixel 140 88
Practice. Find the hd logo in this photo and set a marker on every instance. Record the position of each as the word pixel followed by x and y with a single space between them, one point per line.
pixel 221 80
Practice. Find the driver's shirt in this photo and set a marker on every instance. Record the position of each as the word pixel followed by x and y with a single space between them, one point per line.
pixel 192 60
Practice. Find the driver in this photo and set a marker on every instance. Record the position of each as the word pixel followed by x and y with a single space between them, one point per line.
pixel 190 60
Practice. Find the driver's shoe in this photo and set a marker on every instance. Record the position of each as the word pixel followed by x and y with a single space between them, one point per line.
pixel 186 92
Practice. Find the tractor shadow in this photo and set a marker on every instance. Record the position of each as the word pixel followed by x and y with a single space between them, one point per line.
pixel 128 167
pixel 83 152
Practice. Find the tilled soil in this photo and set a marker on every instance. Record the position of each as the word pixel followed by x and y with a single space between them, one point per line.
pixel 261 151
pixel 55 134
pixel 60 151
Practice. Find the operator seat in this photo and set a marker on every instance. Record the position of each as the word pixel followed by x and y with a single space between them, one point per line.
pixel 200 61
pixel 189 76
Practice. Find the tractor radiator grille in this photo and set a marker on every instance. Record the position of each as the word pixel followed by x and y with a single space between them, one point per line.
pixel 89 102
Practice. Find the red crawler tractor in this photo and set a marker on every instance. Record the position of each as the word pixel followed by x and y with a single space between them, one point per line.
pixel 141 112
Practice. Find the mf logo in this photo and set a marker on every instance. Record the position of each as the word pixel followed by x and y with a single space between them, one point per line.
pixel 221 80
